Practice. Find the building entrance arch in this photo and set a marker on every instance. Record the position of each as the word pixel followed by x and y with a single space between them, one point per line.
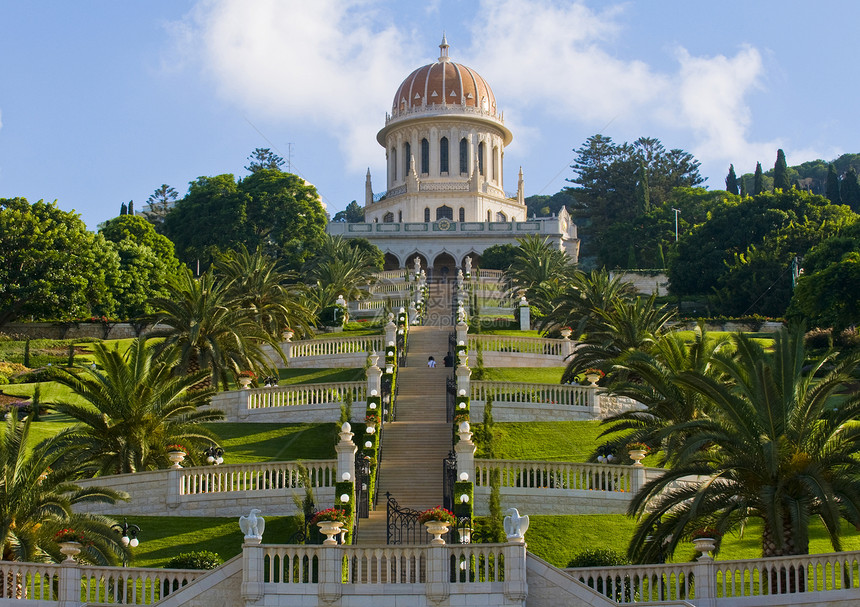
pixel 391 262
pixel 410 263
pixel 444 266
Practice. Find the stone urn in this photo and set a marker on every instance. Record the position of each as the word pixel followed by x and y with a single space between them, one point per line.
pixel 288 335
pixel 637 455
pixel 437 529
pixel 330 529
pixel 592 379
pixel 176 457
pixel 70 550
pixel 566 333
pixel 704 545
pixel 245 382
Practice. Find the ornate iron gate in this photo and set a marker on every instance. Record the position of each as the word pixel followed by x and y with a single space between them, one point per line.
pixel 450 398
pixel 449 477
pixel 402 524
pixel 362 485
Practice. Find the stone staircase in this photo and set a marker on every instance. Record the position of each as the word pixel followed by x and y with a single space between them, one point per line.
pixel 414 446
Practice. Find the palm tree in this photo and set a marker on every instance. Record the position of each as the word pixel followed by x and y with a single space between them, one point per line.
pixel 256 282
pixel 630 324
pixel 583 297
pixel 36 500
pixel 650 380
pixel 201 322
pixel 779 445
pixel 136 407
pixel 339 268
pixel 539 267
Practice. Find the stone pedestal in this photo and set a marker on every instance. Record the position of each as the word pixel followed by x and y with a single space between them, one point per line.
pixel 346 450
pixel 525 315
pixel 252 570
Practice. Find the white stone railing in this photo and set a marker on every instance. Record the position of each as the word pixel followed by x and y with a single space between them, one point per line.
pixel 524 392
pixel 339 345
pixel 255 477
pixel 306 394
pixel 388 287
pixel 76 584
pixel 522 345
pixel 555 476
pixel 806 579
pixel 378 304
pixel 491 274
pixel 392 275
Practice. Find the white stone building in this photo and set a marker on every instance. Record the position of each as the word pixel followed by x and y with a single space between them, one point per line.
pixel 444 200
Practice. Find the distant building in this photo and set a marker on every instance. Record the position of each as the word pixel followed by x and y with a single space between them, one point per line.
pixel 444 200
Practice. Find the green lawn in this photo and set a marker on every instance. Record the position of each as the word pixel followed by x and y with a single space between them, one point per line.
pixel 538 375
pixel 289 377
pixel 549 441
pixel 163 537
pixel 765 339
pixel 249 443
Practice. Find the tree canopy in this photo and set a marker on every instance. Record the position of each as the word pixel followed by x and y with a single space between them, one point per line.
pixel 353 213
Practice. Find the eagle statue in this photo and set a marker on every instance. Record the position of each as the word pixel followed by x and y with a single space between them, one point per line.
pixel 515 525
pixel 252 525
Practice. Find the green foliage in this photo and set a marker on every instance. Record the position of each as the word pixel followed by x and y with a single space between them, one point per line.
pixel 341 267
pixel 850 190
pixel 732 186
pixel 545 206
pixel 780 172
pixel 353 213
pixel 160 202
pixel 498 257
pixel 831 191
pixel 758 183
pixel 598 557
pixel 264 159
pixel 51 267
pixel 828 298
pixel 276 210
pixel 196 559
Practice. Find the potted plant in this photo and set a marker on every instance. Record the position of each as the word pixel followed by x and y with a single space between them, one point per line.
pixel 330 522
pixel 176 453
pixel 593 376
pixel 288 334
pixel 70 542
pixel 437 520
pixel 566 332
pixel 245 378
pixel 638 451
pixel 371 419
pixel 705 540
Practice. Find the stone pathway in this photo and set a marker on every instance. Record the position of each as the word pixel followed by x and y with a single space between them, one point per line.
pixel 414 446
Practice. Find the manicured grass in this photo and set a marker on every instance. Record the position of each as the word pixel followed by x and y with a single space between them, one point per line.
pixel 538 375
pixel 557 539
pixel 549 441
pixel 163 537
pixel 50 392
pixel 318 376
pixel 510 332
pixel 249 443
pixel 765 339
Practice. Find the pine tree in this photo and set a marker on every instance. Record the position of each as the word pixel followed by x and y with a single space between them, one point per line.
pixel 732 181
pixel 831 190
pixel 780 172
pixel 123 210
pixel 643 192
pixel 757 180
pixel 264 158
pixel 850 190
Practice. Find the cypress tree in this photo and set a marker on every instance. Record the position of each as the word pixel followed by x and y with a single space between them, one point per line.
pixel 732 181
pixel 780 172
pixel 744 187
pixel 123 210
pixel 757 180
pixel 850 190
pixel 831 190
pixel 131 207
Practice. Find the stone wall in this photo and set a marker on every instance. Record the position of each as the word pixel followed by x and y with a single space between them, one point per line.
pixel 81 330
pixel 530 412
pixel 553 501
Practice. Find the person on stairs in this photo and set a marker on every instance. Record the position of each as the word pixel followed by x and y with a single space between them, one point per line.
pixel 431 362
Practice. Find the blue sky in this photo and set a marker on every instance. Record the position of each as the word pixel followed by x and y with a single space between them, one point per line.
pixel 102 102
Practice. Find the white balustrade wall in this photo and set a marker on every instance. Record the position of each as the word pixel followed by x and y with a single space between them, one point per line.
pixel 299 403
pixel 225 490
pixel 339 352
pixel 510 351
pixel 542 487
pixel 529 402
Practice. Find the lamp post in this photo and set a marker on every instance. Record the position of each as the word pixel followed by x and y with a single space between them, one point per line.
pixel 129 535
pixel 605 455
pixel 676 222
pixel 214 455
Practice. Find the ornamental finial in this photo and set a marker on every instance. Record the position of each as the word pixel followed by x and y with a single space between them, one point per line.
pixel 443 48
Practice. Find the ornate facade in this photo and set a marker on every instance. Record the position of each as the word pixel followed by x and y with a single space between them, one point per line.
pixel 444 199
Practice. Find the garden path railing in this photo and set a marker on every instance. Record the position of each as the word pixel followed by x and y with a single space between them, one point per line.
pixel 533 393
pixel 522 345
pixel 307 394
pixel 555 476
pixel 334 346
pixel 255 477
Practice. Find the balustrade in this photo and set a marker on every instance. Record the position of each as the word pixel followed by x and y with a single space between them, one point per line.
pixel 306 394
pixel 255 477
pixel 33 581
pixel 378 304
pixel 640 584
pixel 339 345
pixel 524 392
pixel 126 586
pixel 523 345
pixel 291 564
pixel 787 575
pixel 551 476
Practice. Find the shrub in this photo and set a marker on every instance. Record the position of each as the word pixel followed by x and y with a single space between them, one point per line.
pixel 598 557
pixel 197 559
pixel 3 380
pixel 848 338
pixel 817 339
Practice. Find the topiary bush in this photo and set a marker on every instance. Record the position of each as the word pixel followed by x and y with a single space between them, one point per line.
pixel 197 559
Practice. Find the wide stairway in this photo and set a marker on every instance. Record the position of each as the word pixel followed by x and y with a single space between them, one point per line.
pixel 414 446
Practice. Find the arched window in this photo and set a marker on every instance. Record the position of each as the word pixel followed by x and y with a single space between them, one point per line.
pixel 407 158
pixel 489 216
pixel 388 217
pixel 443 155
pixel 444 212
pixel 393 164
pixel 495 163
pixel 427 214
pixel 425 156
pixel 501 216
pixel 462 214
pixel 481 158
pixel 464 156
pixel 400 216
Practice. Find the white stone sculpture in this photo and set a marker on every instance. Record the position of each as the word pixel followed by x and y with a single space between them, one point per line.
pixel 252 525
pixel 468 265
pixel 515 525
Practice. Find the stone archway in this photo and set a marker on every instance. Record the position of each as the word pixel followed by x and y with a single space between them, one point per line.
pixel 476 261
pixel 410 263
pixel 391 262
pixel 444 266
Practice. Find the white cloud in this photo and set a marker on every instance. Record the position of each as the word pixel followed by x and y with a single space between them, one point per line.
pixel 329 62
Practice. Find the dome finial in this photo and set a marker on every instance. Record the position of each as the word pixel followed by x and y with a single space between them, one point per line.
pixel 443 48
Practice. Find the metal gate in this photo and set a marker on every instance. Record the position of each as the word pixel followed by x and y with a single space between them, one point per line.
pixel 402 524
pixel 450 399
pixel 449 477
pixel 362 485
